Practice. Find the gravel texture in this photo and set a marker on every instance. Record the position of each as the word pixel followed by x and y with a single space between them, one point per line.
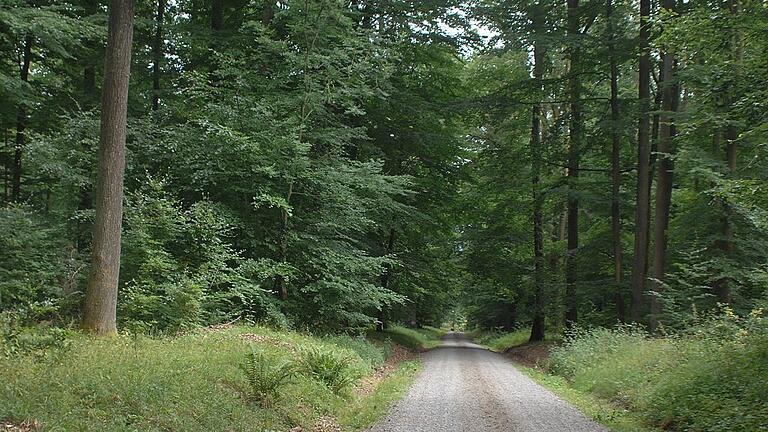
pixel 464 387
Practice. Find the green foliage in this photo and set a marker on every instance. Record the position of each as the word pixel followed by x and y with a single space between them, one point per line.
pixel 703 379
pixel 333 369
pixel 33 268
pixel 266 375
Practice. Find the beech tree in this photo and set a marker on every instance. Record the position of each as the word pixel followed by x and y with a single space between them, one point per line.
pixel 100 307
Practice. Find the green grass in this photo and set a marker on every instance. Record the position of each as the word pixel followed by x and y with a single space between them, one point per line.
pixel 502 341
pixel 421 339
pixel 368 410
pixel 192 382
pixel 615 418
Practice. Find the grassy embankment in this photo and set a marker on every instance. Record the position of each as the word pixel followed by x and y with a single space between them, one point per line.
pixel 711 377
pixel 421 339
pixel 197 381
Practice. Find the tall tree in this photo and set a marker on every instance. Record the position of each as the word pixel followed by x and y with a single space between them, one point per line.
pixel 643 205
pixel 537 324
pixel 615 160
pixel 157 54
pixel 99 312
pixel 721 286
pixel 574 149
pixel 21 121
pixel 664 172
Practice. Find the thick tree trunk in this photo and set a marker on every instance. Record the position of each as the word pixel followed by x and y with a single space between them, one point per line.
pixel 99 313
pixel 615 165
pixel 537 326
pixel 643 208
pixel 157 54
pixel 21 125
pixel 664 175
pixel 574 96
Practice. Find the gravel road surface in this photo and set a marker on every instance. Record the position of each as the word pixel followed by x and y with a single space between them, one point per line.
pixel 464 387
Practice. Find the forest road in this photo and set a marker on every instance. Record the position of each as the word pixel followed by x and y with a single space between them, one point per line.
pixel 465 388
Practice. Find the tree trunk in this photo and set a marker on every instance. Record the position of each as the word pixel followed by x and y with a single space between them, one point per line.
pixel 83 229
pixel 91 7
pixel 99 313
pixel 157 54
pixel 722 288
pixel 643 208
pixel 282 246
pixel 537 326
pixel 574 96
pixel 615 164
pixel 21 124
pixel 664 174
pixel 381 325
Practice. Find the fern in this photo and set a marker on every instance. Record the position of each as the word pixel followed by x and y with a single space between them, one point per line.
pixel 332 369
pixel 266 374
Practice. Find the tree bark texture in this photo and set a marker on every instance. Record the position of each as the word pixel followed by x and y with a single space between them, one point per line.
pixel 643 208
pixel 664 175
pixel 99 314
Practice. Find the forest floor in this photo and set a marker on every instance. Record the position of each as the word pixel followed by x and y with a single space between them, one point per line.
pixel 196 381
pixel 465 387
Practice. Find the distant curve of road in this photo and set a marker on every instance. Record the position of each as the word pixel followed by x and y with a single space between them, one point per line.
pixel 466 388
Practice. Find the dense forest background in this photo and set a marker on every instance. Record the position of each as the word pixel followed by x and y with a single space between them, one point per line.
pixel 335 164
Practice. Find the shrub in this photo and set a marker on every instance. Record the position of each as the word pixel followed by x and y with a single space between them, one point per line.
pixel 266 374
pixel 333 369
pixel 706 379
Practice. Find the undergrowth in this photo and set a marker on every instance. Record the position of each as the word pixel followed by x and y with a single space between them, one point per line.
pixel 201 381
pixel 709 378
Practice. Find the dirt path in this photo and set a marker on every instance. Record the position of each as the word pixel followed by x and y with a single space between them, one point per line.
pixel 464 387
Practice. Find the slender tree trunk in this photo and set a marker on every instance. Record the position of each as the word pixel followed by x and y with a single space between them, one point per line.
pixel 537 326
pixel 217 15
pixel 615 164
pixel 642 210
pixel 91 8
pixel 90 98
pixel 21 124
pixel 574 96
pixel 99 313
pixel 664 174
pixel 722 286
pixel 157 54
pixel 268 12
pixel 381 325
pixel 282 245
